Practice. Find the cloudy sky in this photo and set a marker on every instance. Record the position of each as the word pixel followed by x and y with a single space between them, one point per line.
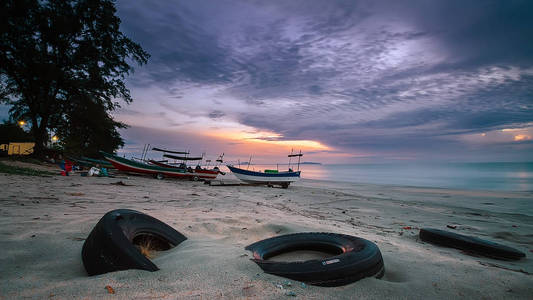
pixel 345 81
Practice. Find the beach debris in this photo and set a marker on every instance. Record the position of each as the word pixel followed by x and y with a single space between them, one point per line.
pixel 93 172
pixel 146 249
pixel 109 289
pixel 470 244
pixel 354 263
pixel 303 285
pixel 110 248
pixel 407 227
pixel 290 294
pixel 121 183
pixel 75 194
pixel 515 226
pixel 279 286
pixel 287 283
pixel 451 226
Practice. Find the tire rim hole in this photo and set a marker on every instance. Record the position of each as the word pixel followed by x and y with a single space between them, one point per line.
pixel 149 244
pixel 304 252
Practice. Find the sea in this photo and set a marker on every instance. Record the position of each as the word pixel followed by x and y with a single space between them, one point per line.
pixel 497 176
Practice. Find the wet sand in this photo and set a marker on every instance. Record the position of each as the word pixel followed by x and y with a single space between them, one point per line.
pixel 44 221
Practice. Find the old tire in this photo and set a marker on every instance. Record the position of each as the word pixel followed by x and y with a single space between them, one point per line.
pixel 355 258
pixel 469 243
pixel 110 245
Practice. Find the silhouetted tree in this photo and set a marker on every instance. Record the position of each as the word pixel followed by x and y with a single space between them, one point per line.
pixel 87 128
pixel 60 60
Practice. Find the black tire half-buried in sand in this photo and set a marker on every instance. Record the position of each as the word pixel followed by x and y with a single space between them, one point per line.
pixel 111 244
pixel 470 244
pixel 353 258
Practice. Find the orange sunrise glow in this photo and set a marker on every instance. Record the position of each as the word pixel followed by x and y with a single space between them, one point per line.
pixel 522 137
pixel 260 139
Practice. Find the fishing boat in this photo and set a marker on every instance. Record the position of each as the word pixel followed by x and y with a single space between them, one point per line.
pixel 197 173
pixel 269 177
pixel 128 165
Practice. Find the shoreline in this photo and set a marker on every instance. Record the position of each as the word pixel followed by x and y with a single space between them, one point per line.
pixel 46 219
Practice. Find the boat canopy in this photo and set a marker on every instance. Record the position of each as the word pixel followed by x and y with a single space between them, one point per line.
pixel 169 151
pixel 182 157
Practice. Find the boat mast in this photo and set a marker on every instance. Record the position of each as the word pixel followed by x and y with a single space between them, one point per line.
pixel 146 152
pixel 220 160
pixel 249 161
pixel 299 156
pixel 290 157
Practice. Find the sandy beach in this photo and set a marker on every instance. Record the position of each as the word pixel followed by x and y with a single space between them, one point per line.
pixel 44 221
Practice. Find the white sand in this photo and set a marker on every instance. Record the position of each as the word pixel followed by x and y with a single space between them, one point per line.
pixel 43 221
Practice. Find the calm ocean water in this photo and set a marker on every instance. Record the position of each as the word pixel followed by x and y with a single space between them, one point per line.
pixel 473 176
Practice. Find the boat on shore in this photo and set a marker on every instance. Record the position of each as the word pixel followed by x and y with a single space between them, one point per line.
pixel 128 165
pixel 269 177
pixel 203 173
pixel 200 172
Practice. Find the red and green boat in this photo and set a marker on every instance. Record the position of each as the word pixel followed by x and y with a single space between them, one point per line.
pixel 128 165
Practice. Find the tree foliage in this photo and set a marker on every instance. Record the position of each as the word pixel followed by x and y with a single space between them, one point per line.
pixel 63 65
pixel 11 132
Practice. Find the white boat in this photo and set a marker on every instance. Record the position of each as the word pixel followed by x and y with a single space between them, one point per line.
pixel 269 177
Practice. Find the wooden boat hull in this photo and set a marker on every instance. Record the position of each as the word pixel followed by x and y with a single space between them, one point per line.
pixel 203 174
pixel 128 165
pixel 280 178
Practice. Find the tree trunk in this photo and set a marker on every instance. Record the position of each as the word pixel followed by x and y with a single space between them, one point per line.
pixel 41 138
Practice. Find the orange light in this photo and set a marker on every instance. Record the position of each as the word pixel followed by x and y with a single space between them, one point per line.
pixel 22 123
pixel 55 138
pixel 522 137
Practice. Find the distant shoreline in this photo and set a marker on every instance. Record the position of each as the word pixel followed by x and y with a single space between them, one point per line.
pixel 283 164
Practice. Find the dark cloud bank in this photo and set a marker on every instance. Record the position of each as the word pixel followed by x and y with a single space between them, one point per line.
pixel 364 76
